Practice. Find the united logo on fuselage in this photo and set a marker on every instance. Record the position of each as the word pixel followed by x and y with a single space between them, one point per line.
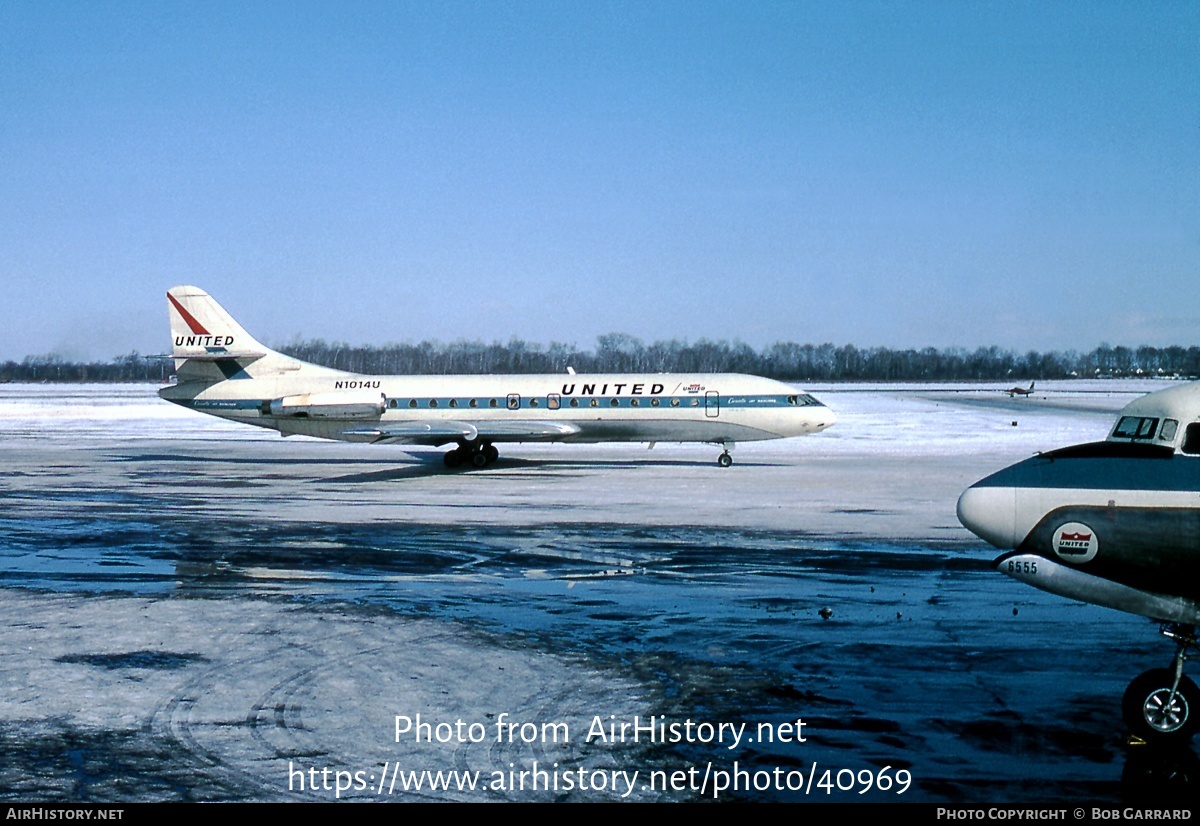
pixel 1075 542
pixel 618 389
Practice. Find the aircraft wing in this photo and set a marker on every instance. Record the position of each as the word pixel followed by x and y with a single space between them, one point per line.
pixel 439 433
pixel 516 431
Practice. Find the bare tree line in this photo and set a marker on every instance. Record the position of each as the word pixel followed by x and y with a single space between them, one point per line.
pixel 619 352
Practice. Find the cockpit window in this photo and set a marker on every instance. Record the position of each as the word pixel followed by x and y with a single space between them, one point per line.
pixel 1135 427
pixel 804 400
pixel 1167 432
pixel 1191 439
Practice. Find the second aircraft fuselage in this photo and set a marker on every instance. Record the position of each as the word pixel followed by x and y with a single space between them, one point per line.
pixel 1114 523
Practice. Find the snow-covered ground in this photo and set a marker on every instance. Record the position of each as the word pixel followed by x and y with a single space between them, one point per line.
pixel 212 603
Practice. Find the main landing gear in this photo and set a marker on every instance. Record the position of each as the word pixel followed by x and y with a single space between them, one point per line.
pixel 477 455
pixel 1163 705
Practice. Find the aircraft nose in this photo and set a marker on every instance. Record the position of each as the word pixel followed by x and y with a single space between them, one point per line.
pixel 991 514
pixel 827 419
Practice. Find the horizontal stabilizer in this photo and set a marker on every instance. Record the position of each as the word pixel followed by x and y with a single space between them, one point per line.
pixel 245 356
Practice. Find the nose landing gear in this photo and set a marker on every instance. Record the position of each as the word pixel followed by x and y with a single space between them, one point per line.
pixel 1163 705
pixel 725 460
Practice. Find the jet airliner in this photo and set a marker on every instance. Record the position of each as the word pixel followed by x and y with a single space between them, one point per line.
pixel 1114 523
pixel 223 371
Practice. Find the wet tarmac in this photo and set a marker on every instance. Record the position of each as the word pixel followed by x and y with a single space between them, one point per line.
pixel 197 617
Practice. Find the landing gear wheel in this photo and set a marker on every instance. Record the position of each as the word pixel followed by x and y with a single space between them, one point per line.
pixel 479 459
pixel 724 460
pixel 453 459
pixel 491 453
pixel 1154 715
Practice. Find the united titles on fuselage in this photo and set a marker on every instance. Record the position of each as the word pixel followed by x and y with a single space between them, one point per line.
pixel 638 389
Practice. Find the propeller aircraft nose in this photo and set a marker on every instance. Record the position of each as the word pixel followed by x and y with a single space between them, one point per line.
pixel 990 513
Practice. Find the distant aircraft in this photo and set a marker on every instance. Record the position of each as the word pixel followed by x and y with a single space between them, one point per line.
pixel 223 371
pixel 1114 523
pixel 1020 391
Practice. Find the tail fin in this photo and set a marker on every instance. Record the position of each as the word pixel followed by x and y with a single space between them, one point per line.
pixel 201 329
pixel 209 345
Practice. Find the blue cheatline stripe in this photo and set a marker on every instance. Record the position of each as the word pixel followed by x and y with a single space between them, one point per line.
pixel 537 403
pixel 1178 473
pixel 541 402
pixel 226 404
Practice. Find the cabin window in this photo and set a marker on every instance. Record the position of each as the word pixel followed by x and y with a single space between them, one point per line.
pixel 574 402
pixel 634 403
pixel 392 403
pixel 533 402
pixel 553 401
pixel 1168 430
pixel 493 403
pixel 412 402
pixel 594 403
pixel 454 402
pixel 1191 439
pixel 654 402
pixel 473 403
pixel 695 402
pixel 433 402
pixel 1135 427
pixel 514 401
pixel 674 402
pixel 615 403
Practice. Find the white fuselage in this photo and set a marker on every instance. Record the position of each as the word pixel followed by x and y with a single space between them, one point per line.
pixel 224 371
pixel 718 408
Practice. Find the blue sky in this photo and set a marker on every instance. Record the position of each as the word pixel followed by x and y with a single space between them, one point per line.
pixel 905 174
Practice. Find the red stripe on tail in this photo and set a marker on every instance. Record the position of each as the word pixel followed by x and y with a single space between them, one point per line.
pixel 188 318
